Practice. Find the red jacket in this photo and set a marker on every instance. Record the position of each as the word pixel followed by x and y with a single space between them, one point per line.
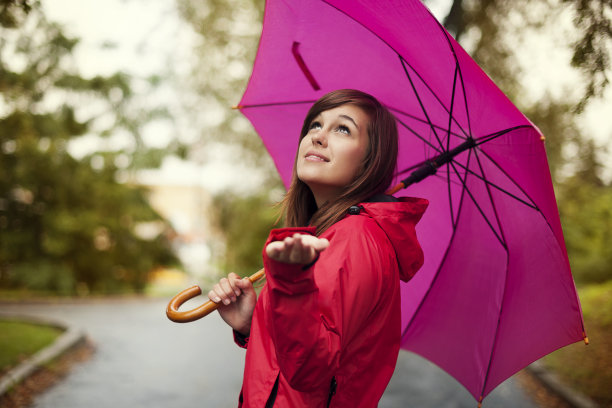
pixel 337 320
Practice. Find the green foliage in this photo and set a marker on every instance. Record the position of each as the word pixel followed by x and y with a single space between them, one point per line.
pixel 246 223
pixel 19 340
pixel 66 224
pixel 592 49
pixel 586 215
pixel 589 368
pixel 13 11
pixel 596 302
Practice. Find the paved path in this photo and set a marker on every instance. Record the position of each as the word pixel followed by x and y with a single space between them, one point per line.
pixel 144 360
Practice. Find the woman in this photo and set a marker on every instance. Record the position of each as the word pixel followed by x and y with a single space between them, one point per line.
pixel 325 330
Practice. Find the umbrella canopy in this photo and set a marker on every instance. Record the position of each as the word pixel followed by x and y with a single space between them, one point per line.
pixel 496 291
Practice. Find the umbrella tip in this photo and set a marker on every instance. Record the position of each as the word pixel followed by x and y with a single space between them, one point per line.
pixel 237 107
pixel 586 338
pixel 480 402
pixel 543 138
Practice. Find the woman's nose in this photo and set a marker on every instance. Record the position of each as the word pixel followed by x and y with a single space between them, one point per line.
pixel 320 138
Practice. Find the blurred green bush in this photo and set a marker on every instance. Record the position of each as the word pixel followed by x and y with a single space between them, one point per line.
pixel 68 224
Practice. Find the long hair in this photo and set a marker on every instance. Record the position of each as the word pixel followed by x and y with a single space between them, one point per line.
pixel 375 173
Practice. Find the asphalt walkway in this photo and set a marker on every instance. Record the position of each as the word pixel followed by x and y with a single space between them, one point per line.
pixel 144 360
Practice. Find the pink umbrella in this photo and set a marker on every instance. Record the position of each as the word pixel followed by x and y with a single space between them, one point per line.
pixel 496 291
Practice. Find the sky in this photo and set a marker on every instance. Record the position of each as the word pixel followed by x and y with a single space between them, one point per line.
pixel 147 37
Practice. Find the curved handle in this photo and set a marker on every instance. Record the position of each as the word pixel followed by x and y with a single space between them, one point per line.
pixel 173 313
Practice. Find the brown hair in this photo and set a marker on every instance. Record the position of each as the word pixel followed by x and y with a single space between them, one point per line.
pixel 375 175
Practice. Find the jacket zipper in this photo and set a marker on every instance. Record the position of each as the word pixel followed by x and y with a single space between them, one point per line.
pixel 332 390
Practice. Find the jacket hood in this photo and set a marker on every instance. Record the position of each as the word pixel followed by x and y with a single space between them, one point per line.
pixel 398 219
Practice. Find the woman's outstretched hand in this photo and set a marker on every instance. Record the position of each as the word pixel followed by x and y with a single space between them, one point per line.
pixel 236 298
pixel 298 249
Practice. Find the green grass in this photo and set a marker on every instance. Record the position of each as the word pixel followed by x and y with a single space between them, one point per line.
pixel 588 368
pixel 19 340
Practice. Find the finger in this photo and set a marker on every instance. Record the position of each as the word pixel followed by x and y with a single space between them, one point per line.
pixel 297 250
pixel 212 295
pixel 293 252
pixel 313 245
pixel 321 244
pixel 232 278
pixel 219 295
pixel 306 252
pixel 245 285
pixel 221 289
pixel 227 289
pixel 274 249
pixel 289 244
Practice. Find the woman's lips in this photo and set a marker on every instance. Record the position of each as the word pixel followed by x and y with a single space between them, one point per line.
pixel 314 156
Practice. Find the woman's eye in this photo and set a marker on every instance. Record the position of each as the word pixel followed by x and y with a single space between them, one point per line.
pixel 314 125
pixel 344 129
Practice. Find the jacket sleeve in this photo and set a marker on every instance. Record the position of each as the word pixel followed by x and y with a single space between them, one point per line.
pixel 311 321
pixel 240 339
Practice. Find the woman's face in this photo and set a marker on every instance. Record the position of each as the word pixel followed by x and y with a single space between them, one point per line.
pixel 331 153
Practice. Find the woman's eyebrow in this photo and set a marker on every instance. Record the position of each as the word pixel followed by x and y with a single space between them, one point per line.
pixel 351 119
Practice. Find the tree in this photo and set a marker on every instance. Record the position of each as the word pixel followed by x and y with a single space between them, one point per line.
pixel 489 18
pixel 592 49
pixel 66 224
pixel 228 31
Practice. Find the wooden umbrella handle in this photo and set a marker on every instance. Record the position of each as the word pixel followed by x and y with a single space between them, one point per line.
pixel 173 313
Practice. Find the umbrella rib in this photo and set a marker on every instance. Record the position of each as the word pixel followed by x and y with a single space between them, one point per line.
pixel 450 113
pixel 446 179
pixel 501 230
pixel 489 183
pixel 424 121
pixel 495 135
pixel 450 117
pixel 458 67
pixel 450 194
pixel 492 201
pixel 414 132
pixel 419 100
pixel 465 187
pixel 494 346
pixel 533 205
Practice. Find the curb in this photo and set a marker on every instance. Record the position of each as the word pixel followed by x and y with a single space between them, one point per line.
pixel 551 381
pixel 67 340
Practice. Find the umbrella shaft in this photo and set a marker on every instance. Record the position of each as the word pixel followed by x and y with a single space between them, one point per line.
pixel 431 166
